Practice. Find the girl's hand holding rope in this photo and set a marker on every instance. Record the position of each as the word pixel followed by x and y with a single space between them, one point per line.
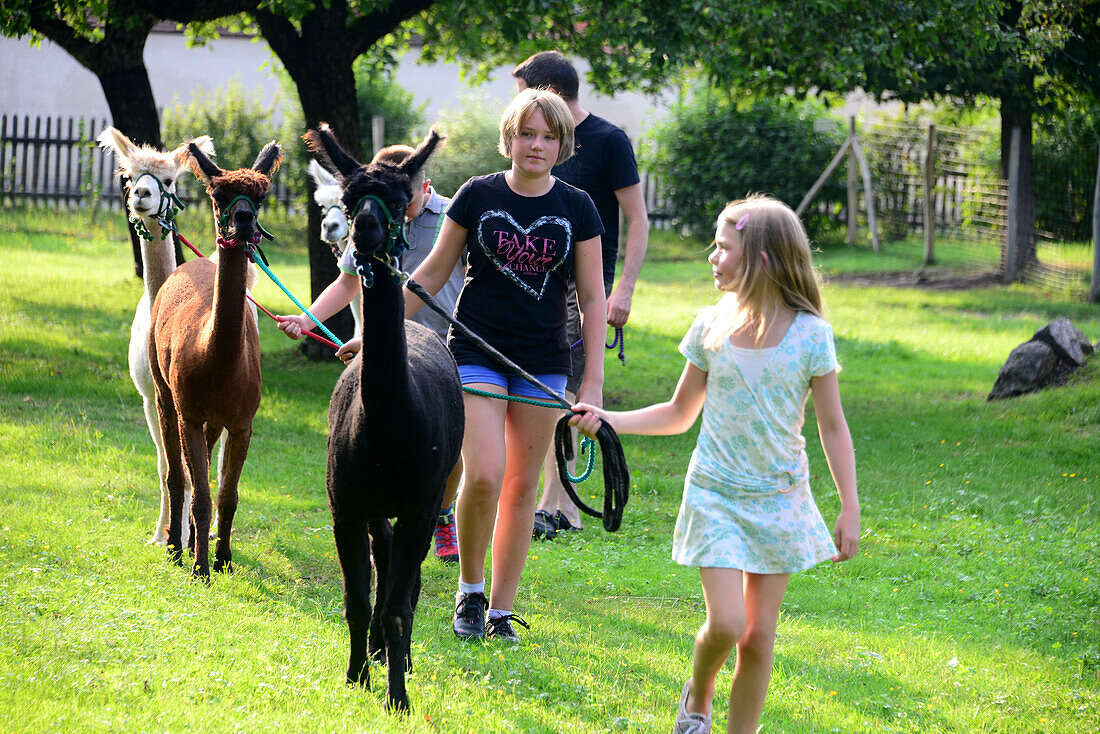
pixel 351 347
pixel 587 419
pixel 294 326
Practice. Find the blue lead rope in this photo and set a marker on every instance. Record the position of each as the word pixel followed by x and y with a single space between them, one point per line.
pixel 263 266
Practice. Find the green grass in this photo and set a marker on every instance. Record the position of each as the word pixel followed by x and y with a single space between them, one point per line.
pixel 973 605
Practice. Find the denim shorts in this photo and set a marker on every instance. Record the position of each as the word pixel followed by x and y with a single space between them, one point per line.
pixel 515 385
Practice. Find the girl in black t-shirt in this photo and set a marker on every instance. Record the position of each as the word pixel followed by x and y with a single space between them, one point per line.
pixel 524 233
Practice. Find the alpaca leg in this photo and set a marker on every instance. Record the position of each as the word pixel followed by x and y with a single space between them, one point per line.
pixel 353 551
pixel 195 453
pixel 412 537
pixel 381 538
pixel 175 475
pixel 213 436
pixel 160 532
pixel 234 452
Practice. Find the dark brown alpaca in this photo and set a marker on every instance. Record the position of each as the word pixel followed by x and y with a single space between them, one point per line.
pixel 395 428
pixel 204 354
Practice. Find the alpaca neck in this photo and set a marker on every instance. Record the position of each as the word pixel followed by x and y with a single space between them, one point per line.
pixel 227 321
pixel 158 261
pixel 384 367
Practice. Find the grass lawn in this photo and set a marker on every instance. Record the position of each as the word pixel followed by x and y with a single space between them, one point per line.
pixel 973 606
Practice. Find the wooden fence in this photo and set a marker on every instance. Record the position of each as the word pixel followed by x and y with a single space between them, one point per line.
pixel 53 160
pixel 58 161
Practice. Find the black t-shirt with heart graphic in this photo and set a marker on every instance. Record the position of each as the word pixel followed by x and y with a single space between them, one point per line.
pixel 520 251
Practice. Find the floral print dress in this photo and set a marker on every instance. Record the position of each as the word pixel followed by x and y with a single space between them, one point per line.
pixel 747 502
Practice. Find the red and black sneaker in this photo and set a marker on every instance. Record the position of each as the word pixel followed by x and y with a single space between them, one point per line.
pixel 446 538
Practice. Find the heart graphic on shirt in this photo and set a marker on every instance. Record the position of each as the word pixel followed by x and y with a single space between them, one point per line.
pixel 527 255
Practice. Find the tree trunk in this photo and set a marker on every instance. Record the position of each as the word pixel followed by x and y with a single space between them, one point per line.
pixel 1016 111
pixel 319 60
pixel 134 112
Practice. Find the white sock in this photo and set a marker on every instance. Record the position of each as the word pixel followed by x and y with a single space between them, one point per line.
pixel 465 588
pixel 495 613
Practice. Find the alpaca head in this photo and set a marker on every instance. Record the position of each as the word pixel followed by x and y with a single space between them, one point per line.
pixel 375 195
pixel 152 174
pixel 236 195
pixel 328 194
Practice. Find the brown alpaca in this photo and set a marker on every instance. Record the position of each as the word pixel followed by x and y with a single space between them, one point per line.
pixel 204 354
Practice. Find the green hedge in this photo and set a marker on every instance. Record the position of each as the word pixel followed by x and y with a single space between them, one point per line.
pixel 711 150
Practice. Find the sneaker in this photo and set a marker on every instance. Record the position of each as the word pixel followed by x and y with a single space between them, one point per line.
pixel 446 538
pixel 561 522
pixel 545 526
pixel 500 628
pixel 689 722
pixel 469 619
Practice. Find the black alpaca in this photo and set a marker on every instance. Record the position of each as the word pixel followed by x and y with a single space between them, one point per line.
pixel 395 428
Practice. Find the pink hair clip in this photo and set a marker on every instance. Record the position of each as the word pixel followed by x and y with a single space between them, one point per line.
pixel 741 223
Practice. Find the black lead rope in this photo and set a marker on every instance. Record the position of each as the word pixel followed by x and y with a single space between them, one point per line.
pixel 616 475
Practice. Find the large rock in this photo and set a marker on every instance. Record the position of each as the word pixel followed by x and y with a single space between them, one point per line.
pixel 1045 360
pixel 1067 341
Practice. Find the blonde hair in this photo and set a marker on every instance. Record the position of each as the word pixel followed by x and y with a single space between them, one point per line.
pixel 776 269
pixel 558 118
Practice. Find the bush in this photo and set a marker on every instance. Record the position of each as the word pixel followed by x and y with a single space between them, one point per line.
pixel 1064 159
pixel 711 150
pixel 377 93
pixel 241 124
pixel 472 130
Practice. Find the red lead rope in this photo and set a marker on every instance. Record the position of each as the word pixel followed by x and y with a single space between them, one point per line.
pixel 275 318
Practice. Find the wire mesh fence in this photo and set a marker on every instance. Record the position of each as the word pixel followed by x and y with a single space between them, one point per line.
pixel 970 200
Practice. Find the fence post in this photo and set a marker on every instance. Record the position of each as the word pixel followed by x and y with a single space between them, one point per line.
pixel 1094 287
pixel 377 132
pixel 853 193
pixel 929 198
pixel 3 156
pixel 1013 203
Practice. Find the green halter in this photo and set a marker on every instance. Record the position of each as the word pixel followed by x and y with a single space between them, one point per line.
pixel 396 240
pixel 223 221
pixel 170 206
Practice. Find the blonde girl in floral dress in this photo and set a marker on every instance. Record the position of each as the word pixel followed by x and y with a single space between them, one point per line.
pixel 748 519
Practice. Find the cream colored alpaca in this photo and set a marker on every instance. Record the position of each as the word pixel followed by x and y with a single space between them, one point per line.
pixel 152 176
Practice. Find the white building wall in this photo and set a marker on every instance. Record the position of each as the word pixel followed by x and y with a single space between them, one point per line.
pixel 50 83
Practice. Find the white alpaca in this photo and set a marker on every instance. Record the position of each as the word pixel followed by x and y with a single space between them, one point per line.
pixel 153 175
pixel 334 223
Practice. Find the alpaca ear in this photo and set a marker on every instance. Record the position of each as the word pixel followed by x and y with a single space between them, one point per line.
pixel 201 166
pixel 322 143
pixel 420 156
pixel 320 176
pixel 267 162
pixel 112 139
pixel 181 154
